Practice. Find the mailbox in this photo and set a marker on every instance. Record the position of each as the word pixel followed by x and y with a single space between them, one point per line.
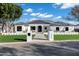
pixel 29 36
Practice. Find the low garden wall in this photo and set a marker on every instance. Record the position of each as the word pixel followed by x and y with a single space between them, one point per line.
pixel 13 33
pixel 66 33
pixel 54 35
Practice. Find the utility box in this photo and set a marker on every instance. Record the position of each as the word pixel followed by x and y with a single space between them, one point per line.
pixel 29 36
pixel 51 35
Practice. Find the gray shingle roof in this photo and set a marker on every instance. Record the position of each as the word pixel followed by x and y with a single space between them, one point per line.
pixel 52 23
pixel 60 24
pixel 77 25
pixel 38 22
pixel 20 23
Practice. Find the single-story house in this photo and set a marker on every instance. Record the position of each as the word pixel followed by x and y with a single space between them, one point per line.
pixel 41 26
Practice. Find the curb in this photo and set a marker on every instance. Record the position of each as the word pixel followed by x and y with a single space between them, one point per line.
pixel 65 40
pixel 12 43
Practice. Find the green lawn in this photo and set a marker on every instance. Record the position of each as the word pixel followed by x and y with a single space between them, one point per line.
pixel 12 38
pixel 66 37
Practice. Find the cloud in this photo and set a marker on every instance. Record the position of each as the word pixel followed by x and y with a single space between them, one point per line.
pixel 42 15
pixel 58 17
pixel 29 10
pixel 58 3
pixel 65 5
pixel 45 15
pixel 49 15
pixel 34 14
pixel 68 5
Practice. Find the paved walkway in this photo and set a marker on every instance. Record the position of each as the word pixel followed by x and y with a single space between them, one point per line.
pixel 38 48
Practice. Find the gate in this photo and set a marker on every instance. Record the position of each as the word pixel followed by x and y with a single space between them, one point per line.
pixel 40 36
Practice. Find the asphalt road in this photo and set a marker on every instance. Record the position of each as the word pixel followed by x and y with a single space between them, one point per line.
pixel 40 49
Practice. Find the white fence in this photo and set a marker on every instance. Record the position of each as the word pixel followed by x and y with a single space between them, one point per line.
pixel 61 33
pixel 66 33
pixel 13 33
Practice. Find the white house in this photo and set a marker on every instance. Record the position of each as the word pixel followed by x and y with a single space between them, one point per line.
pixel 43 26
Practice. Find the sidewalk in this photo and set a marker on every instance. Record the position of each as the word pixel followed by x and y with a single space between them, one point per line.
pixel 11 43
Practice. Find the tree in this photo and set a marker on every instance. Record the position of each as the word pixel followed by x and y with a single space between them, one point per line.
pixel 75 12
pixel 9 12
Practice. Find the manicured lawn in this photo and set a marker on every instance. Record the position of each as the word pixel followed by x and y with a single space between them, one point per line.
pixel 66 37
pixel 12 38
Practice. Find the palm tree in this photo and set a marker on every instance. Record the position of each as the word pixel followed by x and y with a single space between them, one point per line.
pixel 75 12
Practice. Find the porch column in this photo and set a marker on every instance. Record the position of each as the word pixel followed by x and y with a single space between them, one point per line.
pixel 42 28
pixel 51 36
pixel 15 28
pixel 29 28
pixel 36 28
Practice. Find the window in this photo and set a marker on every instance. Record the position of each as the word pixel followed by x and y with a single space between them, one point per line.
pixel 19 28
pixel 32 27
pixel 66 28
pixel 76 30
pixel 57 28
pixel 45 29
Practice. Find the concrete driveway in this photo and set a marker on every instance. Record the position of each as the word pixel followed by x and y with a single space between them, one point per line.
pixel 40 49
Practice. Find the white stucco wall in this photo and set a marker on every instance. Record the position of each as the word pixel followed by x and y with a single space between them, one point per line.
pixel 76 27
pixel 53 28
pixel 24 28
pixel 62 28
pixel 71 28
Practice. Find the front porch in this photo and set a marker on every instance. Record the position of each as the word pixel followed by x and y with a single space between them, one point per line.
pixel 39 31
pixel 39 28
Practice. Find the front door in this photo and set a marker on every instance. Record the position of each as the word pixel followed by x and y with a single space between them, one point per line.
pixel 39 28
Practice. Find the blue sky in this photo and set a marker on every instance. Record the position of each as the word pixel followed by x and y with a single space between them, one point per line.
pixel 46 11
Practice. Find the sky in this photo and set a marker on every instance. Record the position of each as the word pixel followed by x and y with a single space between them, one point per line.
pixel 46 11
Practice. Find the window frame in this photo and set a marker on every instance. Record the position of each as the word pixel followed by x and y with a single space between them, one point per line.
pixel 20 28
pixel 45 28
pixel 33 29
pixel 57 29
pixel 66 28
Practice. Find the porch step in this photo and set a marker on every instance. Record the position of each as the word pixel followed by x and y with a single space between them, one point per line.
pixel 39 36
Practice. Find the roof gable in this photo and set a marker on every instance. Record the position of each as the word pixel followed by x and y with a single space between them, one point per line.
pixel 38 22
